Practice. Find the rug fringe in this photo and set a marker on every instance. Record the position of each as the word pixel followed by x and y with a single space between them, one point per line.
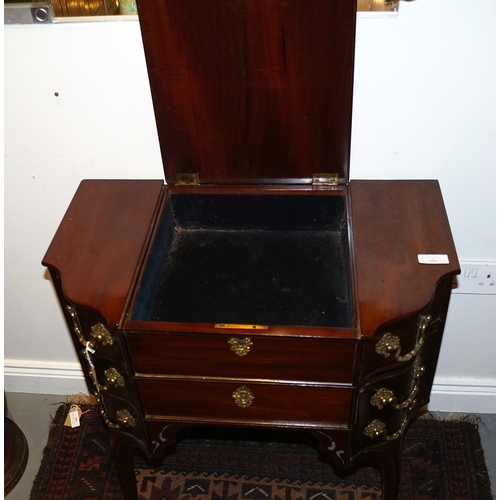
pixel 81 399
pixel 48 473
pixel 471 418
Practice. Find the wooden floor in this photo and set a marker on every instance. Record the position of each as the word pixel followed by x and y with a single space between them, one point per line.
pixel 33 414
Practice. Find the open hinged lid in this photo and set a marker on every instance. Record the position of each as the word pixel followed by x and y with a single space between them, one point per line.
pixel 251 91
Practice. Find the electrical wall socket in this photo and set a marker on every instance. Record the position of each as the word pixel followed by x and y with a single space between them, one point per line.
pixel 478 278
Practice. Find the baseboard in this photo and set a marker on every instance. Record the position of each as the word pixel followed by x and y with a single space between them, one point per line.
pixel 448 394
pixel 463 395
pixel 43 377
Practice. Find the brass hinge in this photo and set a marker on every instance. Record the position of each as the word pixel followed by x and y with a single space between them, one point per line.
pixel 187 179
pixel 325 179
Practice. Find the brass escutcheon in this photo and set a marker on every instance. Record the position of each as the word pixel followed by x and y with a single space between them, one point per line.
pixel 390 343
pixel 240 346
pixel 101 334
pixel 243 397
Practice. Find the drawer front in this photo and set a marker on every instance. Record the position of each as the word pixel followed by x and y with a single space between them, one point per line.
pixel 226 402
pixel 242 356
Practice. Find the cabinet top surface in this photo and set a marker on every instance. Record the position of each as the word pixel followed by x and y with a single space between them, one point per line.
pixel 251 91
pixel 392 223
pixel 102 240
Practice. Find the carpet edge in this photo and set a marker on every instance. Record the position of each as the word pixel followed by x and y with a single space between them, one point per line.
pixel 481 468
pixel 42 476
pixel 467 420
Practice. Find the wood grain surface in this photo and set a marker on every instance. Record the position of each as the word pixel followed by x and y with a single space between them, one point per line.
pixel 393 222
pixel 100 240
pixel 251 92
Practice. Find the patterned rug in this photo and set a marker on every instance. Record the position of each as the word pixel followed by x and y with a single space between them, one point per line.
pixel 442 460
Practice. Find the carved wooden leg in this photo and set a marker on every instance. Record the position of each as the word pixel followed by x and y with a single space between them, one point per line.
pixel 123 447
pixel 388 457
pixel 334 444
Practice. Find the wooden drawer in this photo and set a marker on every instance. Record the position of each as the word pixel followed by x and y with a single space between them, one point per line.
pixel 180 400
pixel 270 358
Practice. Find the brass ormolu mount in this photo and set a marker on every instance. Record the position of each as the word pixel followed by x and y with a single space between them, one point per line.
pixel 389 343
pixel 113 379
pixel 100 335
pixel 385 396
pixel 98 332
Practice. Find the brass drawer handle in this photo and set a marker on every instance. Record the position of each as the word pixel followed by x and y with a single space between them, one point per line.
pixel 390 343
pixel 385 396
pixel 241 347
pixel 243 397
pixel 376 429
pixel 113 379
pixel 123 417
pixel 101 334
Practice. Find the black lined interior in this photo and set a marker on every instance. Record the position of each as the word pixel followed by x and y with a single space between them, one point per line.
pixel 266 260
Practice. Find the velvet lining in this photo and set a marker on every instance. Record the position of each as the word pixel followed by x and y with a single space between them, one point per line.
pixel 265 260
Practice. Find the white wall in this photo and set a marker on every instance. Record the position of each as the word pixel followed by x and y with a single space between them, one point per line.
pixel 423 108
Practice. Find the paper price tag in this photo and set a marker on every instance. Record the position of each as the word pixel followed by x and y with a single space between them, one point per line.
pixel 427 258
pixel 73 418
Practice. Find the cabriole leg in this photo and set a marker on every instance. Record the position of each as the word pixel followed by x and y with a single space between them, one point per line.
pixel 388 457
pixel 123 449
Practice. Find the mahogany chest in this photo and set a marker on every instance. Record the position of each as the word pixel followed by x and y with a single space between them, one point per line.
pixel 258 287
